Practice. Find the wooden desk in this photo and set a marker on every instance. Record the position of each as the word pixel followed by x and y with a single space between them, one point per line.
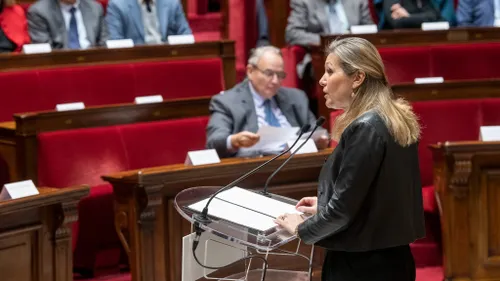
pixel 441 91
pixel 18 140
pixel 35 235
pixel 62 58
pixel 467 183
pixel 150 228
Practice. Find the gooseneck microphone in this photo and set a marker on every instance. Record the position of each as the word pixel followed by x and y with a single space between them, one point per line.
pixel 203 217
pixel 319 122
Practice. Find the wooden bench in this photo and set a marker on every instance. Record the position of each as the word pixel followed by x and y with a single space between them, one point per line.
pixel 35 234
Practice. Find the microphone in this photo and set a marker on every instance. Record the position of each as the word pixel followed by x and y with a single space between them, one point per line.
pixel 319 122
pixel 203 217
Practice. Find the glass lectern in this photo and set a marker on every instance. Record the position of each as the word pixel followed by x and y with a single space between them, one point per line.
pixel 260 242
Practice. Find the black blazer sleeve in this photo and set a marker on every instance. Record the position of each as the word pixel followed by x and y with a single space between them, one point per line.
pixel 362 156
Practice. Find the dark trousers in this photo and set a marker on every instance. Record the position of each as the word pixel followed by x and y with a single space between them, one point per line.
pixel 391 264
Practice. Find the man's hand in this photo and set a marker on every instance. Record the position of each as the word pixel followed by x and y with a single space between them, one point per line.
pixel 399 12
pixel 244 139
pixel 322 142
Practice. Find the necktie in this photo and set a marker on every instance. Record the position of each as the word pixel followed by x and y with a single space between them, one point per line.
pixel 73 41
pixel 148 5
pixel 270 117
pixel 333 19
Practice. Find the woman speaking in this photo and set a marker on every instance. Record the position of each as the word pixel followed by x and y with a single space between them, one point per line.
pixel 369 204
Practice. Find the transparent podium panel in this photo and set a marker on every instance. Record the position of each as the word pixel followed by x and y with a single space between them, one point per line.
pixel 260 239
pixel 240 231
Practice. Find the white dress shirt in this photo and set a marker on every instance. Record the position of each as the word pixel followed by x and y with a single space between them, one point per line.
pixel 82 32
pixel 339 17
pixel 258 102
pixel 150 20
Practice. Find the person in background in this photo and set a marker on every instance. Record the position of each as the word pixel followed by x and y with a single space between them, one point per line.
pixel 238 113
pixel 309 19
pixel 369 205
pixel 67 24
pixel 146 21
pixel 396 14
pixel 478 12
pixel 13 27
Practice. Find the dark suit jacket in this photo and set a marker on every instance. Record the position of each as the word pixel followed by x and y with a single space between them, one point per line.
pixel 418 15
pixel 369 193
pixel 46 23
pixel 233 111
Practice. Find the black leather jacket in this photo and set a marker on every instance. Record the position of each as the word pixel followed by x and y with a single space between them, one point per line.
pixel 369 194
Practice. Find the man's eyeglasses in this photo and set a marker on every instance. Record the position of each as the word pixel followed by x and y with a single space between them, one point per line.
pixel 270 73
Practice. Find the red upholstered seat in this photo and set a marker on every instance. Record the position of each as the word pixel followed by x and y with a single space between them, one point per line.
pixel 21 85
pixel 406 63
pixel 94 85
pixel 82 156
pixel 292 56
pixel 466 61
pixel 242 29
pixel 179 79
pixel 163 143
pixel 37 90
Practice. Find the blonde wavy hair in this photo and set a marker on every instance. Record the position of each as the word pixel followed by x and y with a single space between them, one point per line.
pixel 355 55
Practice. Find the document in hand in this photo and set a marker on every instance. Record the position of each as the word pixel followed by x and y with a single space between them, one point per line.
pixel 272 138
pixel 246 208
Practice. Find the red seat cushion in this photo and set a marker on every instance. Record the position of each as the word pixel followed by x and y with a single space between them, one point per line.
pixel 163 143
pixel 404 64
pixel 466 61
pixel 242 29
pixel 441 121
pixel 179 79
pixel 292 55
pixel 490 111
pixel 72 157
pixel 22 93
pixel 94 85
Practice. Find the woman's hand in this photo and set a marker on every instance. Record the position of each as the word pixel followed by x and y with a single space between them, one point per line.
pixel 290 222
pixel 308 205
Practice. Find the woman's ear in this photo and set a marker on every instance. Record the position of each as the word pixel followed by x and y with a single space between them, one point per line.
pixel 359 78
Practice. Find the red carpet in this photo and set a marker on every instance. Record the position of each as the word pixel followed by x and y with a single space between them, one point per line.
pixel 430 274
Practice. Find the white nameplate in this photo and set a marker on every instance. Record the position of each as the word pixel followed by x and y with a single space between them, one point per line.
pixel 489 133
pixel 364 29
pixel 148 99
pixel 70 106
pixel 309 147
pixel 440 25
pixel 18 190
pixel 180 39
pixel 121 43
pixel 496 23
pixel 429 80
pixel 202 157
pixel 37 48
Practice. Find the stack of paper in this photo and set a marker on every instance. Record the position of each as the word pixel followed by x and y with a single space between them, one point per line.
pixel 246 208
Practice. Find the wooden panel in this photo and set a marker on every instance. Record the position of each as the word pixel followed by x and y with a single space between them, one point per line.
pixel 144 200
pixel 35 235
pixel 16 255
pixel 277 16
pixel 467 183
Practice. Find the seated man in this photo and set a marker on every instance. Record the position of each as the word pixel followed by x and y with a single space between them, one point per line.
pixel 238 113
pixel 146 21
pixel 478 12
pixel 412 13
pixel 309 19
pixel 73 24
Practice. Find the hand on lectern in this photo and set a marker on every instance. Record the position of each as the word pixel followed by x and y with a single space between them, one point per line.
pixel 308 205
pixel 290 222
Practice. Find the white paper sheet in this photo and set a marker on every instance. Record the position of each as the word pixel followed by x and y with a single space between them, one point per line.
pixel 271 138
pixel 245 208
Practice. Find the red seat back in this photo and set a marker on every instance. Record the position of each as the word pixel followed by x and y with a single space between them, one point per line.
pixel 404 64
pixel 164 142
